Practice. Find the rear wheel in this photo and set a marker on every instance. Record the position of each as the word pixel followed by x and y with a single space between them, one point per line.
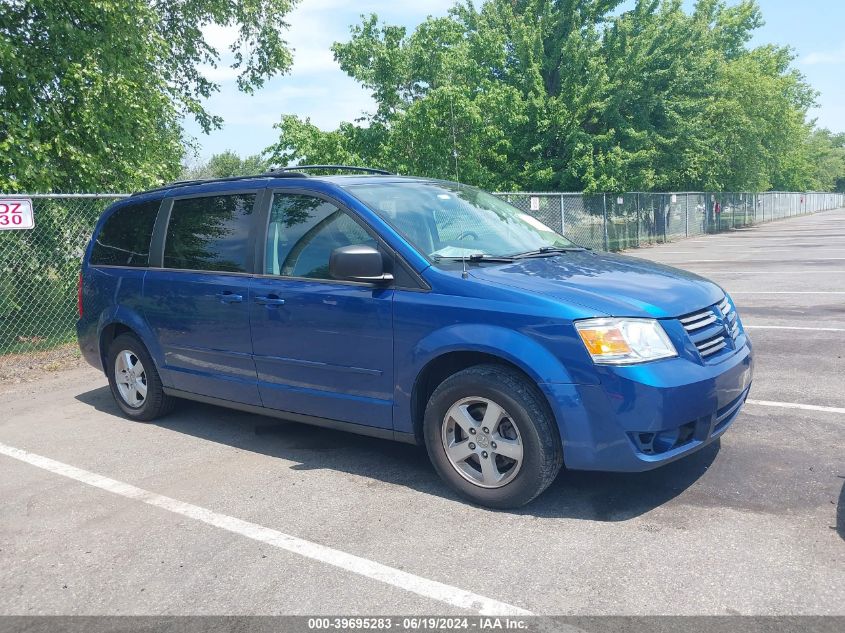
pixel 490 436
pixel 134 380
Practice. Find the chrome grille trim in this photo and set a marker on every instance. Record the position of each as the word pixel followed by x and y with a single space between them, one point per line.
pixel 698 315
pixel 712 343
pixel 731 319
pixel 698 321
pixel 708 351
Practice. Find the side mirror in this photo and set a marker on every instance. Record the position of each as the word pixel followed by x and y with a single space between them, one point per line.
pixel 358 263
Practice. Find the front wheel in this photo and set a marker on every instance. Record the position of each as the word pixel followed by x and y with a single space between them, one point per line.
pixel 490 436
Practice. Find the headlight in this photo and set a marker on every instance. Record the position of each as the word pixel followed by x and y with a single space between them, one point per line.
pixel 624 341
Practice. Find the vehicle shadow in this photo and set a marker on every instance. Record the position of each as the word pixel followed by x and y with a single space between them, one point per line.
pixel 576 495
pixel 840 511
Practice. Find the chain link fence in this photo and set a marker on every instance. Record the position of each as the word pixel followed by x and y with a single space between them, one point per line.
pixel 629 220
pixel 39 266
pixel 39 269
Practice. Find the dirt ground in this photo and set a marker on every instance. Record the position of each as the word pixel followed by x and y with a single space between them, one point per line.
pixel 20 368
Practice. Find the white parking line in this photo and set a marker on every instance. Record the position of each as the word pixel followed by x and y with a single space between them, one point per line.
pixel 828 238
pixel 349 562
pixel 761 261
pixel 787 292
pixel 773 272
pixel 795 405
pixel 760 249
pixel 765 247
pixel 792 327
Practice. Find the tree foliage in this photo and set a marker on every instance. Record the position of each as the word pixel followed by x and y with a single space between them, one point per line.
pixel 92 92
pixel 828 152
pixel 225 165
pixel 574 95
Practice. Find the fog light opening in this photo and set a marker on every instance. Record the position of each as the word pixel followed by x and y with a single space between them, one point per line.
pixel 654 443
pixel 666 440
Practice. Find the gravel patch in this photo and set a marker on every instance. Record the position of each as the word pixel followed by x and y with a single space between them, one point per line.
pixel 21 368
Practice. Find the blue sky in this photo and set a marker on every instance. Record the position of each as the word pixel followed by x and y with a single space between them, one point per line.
pixel 318 89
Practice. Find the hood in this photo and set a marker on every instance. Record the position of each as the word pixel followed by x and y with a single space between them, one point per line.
pixel 614 285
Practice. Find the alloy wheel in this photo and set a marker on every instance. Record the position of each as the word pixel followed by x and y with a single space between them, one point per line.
pixel 482 443
pixel 130 378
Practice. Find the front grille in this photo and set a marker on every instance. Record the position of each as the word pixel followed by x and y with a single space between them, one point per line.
pixel 713 329
pixel 730 317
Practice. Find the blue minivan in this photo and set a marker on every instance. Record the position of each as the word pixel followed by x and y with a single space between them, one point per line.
pixel 412 309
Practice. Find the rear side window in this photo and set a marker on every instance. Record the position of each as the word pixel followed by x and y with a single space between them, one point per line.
pixel 209 233
pixel 124 239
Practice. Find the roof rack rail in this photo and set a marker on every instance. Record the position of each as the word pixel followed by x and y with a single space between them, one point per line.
pixel 366 170
pixel 200 181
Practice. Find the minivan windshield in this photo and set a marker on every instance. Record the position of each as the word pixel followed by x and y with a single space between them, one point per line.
pixel 452 221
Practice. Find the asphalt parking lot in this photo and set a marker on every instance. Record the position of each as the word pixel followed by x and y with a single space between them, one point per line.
pixel 212 511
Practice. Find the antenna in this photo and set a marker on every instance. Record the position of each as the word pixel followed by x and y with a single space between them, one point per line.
pixel 454 141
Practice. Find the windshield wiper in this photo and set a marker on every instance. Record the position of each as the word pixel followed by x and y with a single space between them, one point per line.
pixel 548 251
pixel 475 257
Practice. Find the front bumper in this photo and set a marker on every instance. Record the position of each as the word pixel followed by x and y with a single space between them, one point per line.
pixel 643 416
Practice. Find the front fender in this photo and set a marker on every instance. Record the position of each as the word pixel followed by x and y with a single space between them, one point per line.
pixel 507 344
pixel 513 346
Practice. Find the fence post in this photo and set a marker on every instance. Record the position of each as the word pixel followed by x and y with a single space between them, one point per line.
pixel 719 218
pixel 604 211
pixel 639 219
pixel 562 217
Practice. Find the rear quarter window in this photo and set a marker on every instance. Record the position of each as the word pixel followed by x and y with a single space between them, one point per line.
pixel 124 239
pixel 209 233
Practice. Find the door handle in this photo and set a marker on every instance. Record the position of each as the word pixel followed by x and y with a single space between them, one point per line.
pixel 227 296
pixel 270 300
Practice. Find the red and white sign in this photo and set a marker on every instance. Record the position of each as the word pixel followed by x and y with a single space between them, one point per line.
pixel 16 213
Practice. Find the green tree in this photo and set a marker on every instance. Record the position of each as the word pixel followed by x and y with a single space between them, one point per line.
pixel 573 95
pixel 303 142
pixel 92 93
pixel 826 153
pixel 226 165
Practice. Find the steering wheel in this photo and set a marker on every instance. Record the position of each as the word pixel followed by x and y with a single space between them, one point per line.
pixel 466 234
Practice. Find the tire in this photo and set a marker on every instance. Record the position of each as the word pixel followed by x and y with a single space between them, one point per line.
pixel 125 354
pixel 508 465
